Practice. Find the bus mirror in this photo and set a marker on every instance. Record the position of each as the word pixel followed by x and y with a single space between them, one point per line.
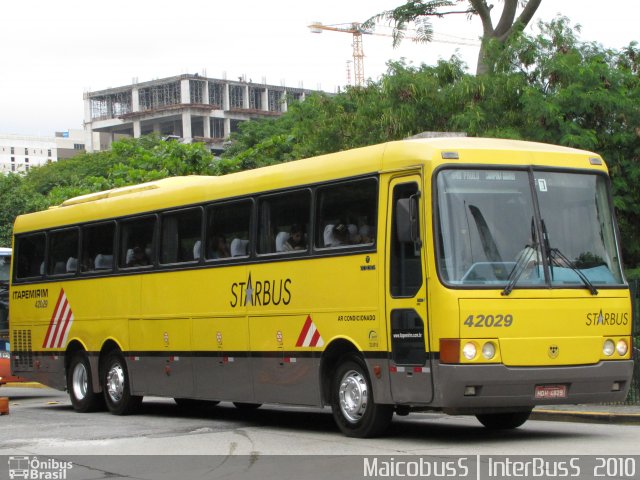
pixel 407 225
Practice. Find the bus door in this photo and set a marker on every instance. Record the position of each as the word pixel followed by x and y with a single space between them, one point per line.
pixel 406 306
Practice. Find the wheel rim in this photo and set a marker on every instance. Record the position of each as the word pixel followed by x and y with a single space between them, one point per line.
pixel 80 383
pixel 353 395
pixel 115 382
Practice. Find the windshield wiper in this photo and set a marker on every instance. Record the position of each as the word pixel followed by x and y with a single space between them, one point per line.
pixel 569 264
pixel 520 267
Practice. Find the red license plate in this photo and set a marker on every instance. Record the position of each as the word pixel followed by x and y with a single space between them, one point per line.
pixel 550 392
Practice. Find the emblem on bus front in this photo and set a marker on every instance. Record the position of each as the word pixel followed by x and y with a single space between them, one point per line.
pixel 554 351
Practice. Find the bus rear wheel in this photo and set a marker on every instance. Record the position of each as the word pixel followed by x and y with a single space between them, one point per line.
pixel 503 421
pixel 352 403
pixel 79 385
pixel 116 386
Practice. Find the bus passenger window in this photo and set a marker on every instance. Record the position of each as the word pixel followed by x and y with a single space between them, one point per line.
pixel 347 214
pixel 30 259
pixel 63 252
pixel 180 233
pixel 97 247
pixel 137 242
pixel 227 232
pixel 284 222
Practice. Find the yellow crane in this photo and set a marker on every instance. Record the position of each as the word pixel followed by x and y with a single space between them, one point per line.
pixel 357 31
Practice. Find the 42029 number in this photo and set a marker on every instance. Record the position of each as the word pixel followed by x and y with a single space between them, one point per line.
pixel 489 320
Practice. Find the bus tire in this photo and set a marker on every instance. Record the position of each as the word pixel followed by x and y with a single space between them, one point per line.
pixel 352 402
pixel 79 382
pixel 116 386
pixel 503 421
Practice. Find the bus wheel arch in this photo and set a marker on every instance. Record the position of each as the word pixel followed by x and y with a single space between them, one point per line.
pixel 115 380
pixel 80 379
pixel 331 358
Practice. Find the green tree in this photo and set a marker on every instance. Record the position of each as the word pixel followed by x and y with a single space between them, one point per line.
pixel 419 13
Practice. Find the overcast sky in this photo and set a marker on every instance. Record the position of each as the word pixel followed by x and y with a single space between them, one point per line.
pixel 53 51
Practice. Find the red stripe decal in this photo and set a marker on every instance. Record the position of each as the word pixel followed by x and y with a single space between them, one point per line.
pixel 53 317
pixel 305 330
pixel 65 326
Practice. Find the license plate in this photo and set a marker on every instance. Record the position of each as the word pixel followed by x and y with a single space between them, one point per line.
pixel 549 392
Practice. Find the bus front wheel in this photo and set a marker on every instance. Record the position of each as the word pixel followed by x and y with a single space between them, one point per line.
pixel 352 403
pixel 116 386
pixel 503 421
pixel 79 382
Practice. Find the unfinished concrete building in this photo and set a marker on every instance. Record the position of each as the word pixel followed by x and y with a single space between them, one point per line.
pixel 191 107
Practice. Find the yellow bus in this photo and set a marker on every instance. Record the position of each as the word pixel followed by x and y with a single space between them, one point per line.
pixel 471 276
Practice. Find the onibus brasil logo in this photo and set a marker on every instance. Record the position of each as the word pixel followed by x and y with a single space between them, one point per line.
pixel 36 469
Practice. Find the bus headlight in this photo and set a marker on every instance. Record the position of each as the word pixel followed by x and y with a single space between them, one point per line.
pixel 469 351
pixel 622 348
pixel 489 350
pixel 608 348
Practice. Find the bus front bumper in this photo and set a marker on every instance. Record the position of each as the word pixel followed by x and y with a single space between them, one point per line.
pixel 485 388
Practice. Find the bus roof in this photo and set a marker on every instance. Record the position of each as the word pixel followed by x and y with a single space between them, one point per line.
pixel 188 190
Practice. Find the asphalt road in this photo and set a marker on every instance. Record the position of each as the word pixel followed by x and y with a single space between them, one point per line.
pixel 41 422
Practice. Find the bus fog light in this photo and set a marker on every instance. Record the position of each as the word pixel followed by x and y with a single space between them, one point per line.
pixel 622 348
pixel 469 391
pixel 469 351
pixel 489 350
pixel 608 348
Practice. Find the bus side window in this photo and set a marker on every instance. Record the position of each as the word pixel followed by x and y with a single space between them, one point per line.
pixel 30 256
pixel 346 214
pixel 228 230
pixel 284 222
pixel 137 242
pixel 63 250
pixel 97 247
pixel 180 232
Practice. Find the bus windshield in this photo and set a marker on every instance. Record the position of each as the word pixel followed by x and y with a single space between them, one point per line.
pixel 489 231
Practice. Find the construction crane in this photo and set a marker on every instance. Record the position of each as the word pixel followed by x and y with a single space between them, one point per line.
pixel 357 31
pixel 358 54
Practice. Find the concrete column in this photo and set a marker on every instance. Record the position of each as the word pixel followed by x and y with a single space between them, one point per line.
pixel 185 94
pixel 246 98
pixel 186 125
pixel 135 100
pixel 284 105
pixel 227 127
pixel 205 93
pixel 88 138
pixel 206 126
pixel 136 129
pixel 265 99
pixel 225 97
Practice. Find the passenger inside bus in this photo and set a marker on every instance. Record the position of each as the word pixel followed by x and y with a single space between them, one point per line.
pixel 138 258
pixel 295 241
pixel 218 247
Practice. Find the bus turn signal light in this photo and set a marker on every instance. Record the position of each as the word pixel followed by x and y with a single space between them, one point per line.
pixel 449 350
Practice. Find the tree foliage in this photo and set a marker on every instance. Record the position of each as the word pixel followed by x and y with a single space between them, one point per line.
pixel 419 14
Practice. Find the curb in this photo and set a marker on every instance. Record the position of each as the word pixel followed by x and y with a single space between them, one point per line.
pixel 23 385
pixel 586 416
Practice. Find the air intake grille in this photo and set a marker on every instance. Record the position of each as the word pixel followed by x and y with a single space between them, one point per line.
pixel 21 346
